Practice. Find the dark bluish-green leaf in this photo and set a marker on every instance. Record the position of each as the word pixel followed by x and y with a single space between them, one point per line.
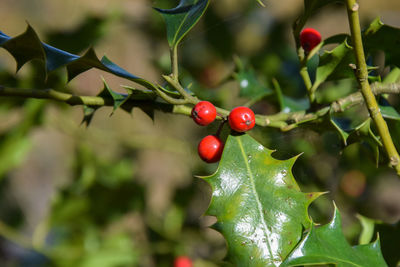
pixel 327 245
pixel 28 46
pixel 259 206
pixel 181 19
pixel 387 110
pixel 380 36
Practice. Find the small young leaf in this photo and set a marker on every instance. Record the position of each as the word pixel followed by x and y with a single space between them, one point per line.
pixel 181 19
pixel 259 206
pixel 327 245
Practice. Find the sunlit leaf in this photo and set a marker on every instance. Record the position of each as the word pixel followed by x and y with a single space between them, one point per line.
pixel 335 62
pixel 259 206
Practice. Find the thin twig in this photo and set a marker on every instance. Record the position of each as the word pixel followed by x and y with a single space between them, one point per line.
pixel 283 121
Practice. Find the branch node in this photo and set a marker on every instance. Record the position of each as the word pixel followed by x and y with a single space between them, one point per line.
pixel 355 7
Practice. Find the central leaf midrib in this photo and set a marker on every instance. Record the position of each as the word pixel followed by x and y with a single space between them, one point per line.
pixel 253 188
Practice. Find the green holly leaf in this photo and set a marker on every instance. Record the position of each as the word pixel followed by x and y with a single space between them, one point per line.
pixel 118 98
pixel 382 37
pixel 335 64
pixel 387 110
pixel 88 113
pixel 259 206
pixel 327 245
pixel 28 46
pixel 181 19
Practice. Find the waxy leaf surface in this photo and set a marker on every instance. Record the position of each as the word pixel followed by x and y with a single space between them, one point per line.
pixel 181 19
pixel 327 245
pixel 259 207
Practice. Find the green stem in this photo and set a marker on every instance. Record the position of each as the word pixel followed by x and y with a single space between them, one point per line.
pixel 362 78
pixel 178 87
pixel 174 63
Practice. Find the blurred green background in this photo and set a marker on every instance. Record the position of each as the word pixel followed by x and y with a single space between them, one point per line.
pixel 122 191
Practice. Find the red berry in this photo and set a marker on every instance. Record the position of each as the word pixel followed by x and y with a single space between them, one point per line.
pixel 183 261
pixel 204 113
pixel 241 119
pixel 309 38
pixel 210 148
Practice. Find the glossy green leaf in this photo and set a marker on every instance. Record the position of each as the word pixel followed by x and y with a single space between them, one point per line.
pixel 382 37
pixel 181 19
pixel 259 206
pixel 387 110
pixel 327 245
pixel 28 46
pixel 334 63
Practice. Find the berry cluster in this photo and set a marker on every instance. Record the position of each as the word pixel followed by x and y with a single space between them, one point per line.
pixel 241 119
